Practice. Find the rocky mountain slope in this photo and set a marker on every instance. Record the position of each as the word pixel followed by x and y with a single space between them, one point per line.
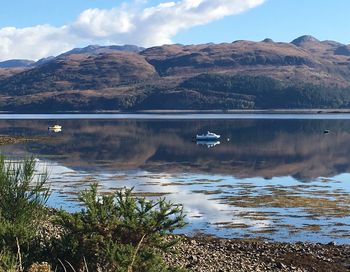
pixel 16 63
pixel 306 73
pixel 97 49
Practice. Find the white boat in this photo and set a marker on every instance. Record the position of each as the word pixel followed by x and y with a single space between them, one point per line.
pixel 55 128
pixel 207 137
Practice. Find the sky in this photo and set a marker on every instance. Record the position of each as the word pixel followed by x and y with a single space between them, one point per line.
pixel 33 29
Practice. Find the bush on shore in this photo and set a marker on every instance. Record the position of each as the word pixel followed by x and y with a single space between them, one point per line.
pixel 23 194
pixel 112 232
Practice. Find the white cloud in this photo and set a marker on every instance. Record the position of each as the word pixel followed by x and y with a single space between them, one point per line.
pixel 33 42
pixel 127 24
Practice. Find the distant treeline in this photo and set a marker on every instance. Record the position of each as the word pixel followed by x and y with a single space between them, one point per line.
pixel 202 92
pixel 263 92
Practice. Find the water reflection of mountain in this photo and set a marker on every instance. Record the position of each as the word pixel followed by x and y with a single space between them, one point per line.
pixel 266 148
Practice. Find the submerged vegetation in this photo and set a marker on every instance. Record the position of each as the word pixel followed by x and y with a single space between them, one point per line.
pixel 114 232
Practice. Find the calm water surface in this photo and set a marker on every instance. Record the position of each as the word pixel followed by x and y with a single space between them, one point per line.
pixel 273 176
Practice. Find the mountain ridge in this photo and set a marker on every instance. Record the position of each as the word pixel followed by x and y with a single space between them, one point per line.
pixel 308 72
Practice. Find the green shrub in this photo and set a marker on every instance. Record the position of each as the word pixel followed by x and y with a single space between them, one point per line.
pixel 115 232
pixel 9 262
pixel 118 232
pixel 23 194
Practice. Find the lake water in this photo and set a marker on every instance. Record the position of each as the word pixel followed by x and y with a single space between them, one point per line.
pixel 279 177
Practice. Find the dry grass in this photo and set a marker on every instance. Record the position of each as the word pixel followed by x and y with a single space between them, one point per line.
pixel 40 267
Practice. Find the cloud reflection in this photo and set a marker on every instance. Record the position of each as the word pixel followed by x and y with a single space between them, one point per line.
pixel 199 208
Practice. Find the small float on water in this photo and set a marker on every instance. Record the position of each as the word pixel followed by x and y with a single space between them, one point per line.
pixel 209 136
pixel 55 128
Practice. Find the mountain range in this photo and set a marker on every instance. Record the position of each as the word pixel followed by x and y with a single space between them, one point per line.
pixel 306 73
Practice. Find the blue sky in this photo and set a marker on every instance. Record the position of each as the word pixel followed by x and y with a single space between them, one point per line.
pixel 281 20
pixel 48 27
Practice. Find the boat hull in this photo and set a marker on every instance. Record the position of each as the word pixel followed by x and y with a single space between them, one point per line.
pixel 207 138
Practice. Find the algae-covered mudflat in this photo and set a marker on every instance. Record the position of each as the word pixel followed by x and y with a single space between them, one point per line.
pixel 279 177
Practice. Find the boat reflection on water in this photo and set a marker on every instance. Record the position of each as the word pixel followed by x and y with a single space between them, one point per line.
pixel 209 143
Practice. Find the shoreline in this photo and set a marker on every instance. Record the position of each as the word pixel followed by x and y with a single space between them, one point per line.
pixel 258 111
pixel 211 254
pixel 205 253
pixel 232 111
pixel 9 139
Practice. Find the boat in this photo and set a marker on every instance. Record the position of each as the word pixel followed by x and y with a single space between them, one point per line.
pixel 207 137
pixel 55 128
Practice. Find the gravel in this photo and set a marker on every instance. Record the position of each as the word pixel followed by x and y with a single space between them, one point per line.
pixel 209 254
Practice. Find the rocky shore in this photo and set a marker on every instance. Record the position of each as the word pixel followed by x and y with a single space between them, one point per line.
pixel 204 253
pixel 209 254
